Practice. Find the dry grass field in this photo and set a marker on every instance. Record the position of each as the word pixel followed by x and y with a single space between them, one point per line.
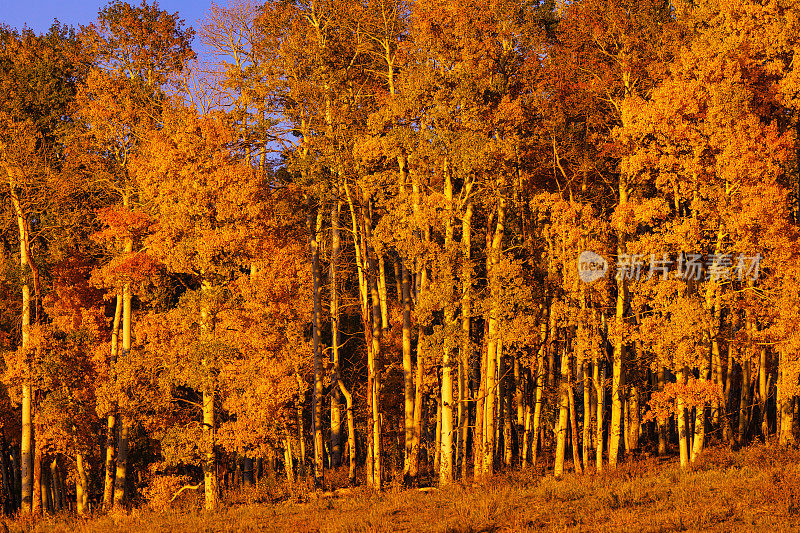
pixel 755 489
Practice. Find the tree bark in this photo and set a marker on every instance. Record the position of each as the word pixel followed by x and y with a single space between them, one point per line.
pixel 108 482
pixel 466 343
pixel 683 434
pixel 37 471
pixel 563 414
pixel 491 345
pixel 446 400
pixel 336 415
pixel 576 457
pixel 318 385
pixel 81 486
pixel 408 374
pixel 120 481
pixel 351 433
pixel 744 402
pixel 209 415
pixel 26 445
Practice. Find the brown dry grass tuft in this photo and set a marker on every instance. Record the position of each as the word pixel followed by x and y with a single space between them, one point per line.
pixel 757 488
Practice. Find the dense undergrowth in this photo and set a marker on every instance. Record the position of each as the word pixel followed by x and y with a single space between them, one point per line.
pixel 757 488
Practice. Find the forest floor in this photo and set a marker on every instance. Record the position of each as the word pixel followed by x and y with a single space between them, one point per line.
pixel 757 488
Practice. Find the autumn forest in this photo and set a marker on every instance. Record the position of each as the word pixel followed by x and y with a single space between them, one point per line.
pixel 383 243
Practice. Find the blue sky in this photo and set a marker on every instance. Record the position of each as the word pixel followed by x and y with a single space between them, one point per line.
pixel 39 14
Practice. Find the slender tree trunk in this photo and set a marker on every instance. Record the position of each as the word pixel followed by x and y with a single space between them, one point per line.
pixel 81 486
pixel 479 440
pixel 16 470
pixel 288 460
pixel 336 415
pixel 727 428
pixel 446 437
pixel 318 385
pixel 446 419
pixel 26 445
pixel 301 431
pixel 599 379
pixel 466 343
pixel 785 400
pixel 491 371
pixel 537 409
pixel 58 493
pixel 525 452
pixel 744 402
pixel 384 301
pixel 374 355
pixel 37 471
pixel 683 434
pixel 417 430
pixel 587 412
pixel 762 392
pixel 209 415
pixel 351 433
pixel 583 365
pixel 398 278
pixel 662 425
pixel 108 483
pixel 408 375
pixel 576 457
pixel 563 414
pixel 44 487
pixel 120 480
pixel 615 432
pixel 437 453
pixel 508 410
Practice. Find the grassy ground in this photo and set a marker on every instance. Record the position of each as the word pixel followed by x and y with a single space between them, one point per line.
pixel 757 488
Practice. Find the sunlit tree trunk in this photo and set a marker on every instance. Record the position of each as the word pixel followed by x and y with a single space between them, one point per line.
pixel 288 460
pixel 81 486
pixel 108 482
pixel 538 399
pixel 374 355
pixel 301 432
pixel 506 400
pixel 683 433
pixel 314 231
pixel 762 391
pixel 37 470
pixel 417 430
pixel 599 378
pixel 563 414
pixel 587 412
pixel 446 437
pixel 466 343
pixel 336 415
pixel 382 293
pixel 785 400
pixel 120 480
pixel 26 444
pixel 744 401
pixel 421 281
pixel 491 344
pixel 662 425
pixel 209 415
pixel 727 428
pixel 479 439
pixel 615 431
pixel 351 433
pixel 573 419
pixel 408 373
